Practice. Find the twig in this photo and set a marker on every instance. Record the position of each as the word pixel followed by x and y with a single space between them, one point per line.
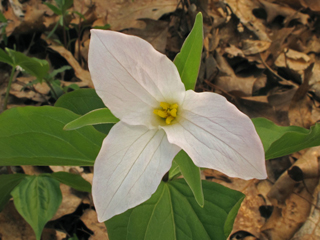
pixel 12 75
pixel 283 81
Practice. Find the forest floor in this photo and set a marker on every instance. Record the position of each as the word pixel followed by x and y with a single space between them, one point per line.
pixel 262 55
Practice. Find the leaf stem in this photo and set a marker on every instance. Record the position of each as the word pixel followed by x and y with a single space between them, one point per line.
pixel 51 88
pixel 8 88
pixel 64 33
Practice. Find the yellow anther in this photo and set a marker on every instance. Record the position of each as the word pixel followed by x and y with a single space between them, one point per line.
pixel 164 105
pixel 169 119
pixel 160 113
pixel 168 112
pixel 173 112
pixel 173 106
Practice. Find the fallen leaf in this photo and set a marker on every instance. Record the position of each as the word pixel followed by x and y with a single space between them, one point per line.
pixel 250 47
pixel 291 200
pixel 314 5
pixel 229 81
pixel 124 14
pixel 90 219
pixel 13 226
pixel 80 73
pixel 155 32
pixel 273 10
pixel 243 9
pixel 69 204
pixel 294 60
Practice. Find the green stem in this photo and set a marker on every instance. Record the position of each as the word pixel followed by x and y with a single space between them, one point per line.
pixel 52 89
pixel 64 33
pixel 8 88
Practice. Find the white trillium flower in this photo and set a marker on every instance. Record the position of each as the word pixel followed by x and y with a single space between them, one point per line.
pixel 158 118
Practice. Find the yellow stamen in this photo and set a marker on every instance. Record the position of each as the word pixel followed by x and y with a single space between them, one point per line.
pixel 174 106
pixel 173 112
pixel 160 113
pixel 168 112
pixel 164 105
pixel 169 119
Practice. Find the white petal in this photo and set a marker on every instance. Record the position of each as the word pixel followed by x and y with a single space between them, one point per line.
pixel 216 135
pixel 131 77
pixel 129 168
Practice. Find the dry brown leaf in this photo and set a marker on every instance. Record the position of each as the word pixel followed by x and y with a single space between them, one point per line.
pixel 31 170
pixel 29 94
pixel 90 219
pixel 155 32
pixel 69 204
pixel 124 14
pixel 257 106
pixel 281 98
pixel 13 226
pixel 273 10
pixel 291 199
pixel 80 73
pixel 250 47
pixel 314 5
pixel 311 228
pixel 229 81
pixel 294 60
pixel 60 235
pixel 300 111
pixel 243 10
pixel 279 42
pixel 42 88
pixel 76 169
pixel 17 8
pixel 249 218
pixel 233 51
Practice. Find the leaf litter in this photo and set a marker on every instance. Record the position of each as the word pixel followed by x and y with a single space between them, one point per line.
pixel 263 56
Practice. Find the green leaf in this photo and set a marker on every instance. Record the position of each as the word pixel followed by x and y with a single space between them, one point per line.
pixel 80 15
pixel 173 214
pixel 73 180
pixel 60 3
pixel 4 35
pixel 81 102
pixel 174 170
pixel 74 237
pixel 53 30
pixel 3 18
pixel 67 4
pixel 35 136
pixel 98 116
pixel 104 27
pixel 191 174
pixel 57 71
pixel 189 59
pixel 37 198
pixel 34 66
pixel 4 57
pixel 280 141
pixel 7 183
pixel 53 8
pixel 228 225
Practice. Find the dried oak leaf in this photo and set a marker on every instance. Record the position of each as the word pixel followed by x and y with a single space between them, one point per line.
pixel 292 200
pixel 90 219
pixel 243 9
pixel 13 226
pixel 273 10
pixel 124 14
pixel 155 32
pixel 80 73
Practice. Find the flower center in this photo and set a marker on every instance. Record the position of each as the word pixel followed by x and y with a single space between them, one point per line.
pixel 168 112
